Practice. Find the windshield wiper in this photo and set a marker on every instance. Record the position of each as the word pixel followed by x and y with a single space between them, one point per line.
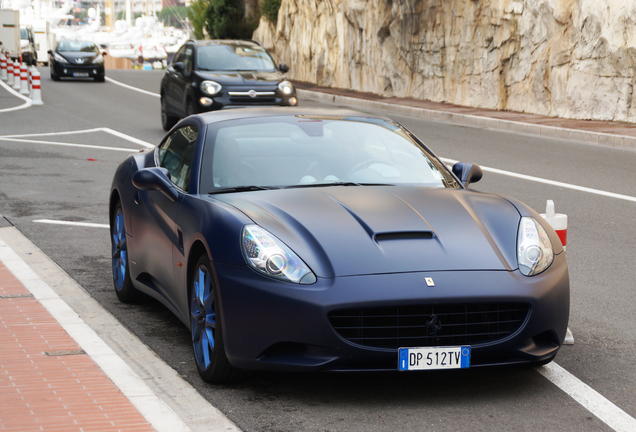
pixel 244 188
pixel 345 183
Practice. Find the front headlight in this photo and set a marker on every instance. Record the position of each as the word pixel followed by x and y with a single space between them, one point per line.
pixel 286 87
pixel 98 59
pixel 59 58
pixel 269 256
pixel 211 87
pixel 534 248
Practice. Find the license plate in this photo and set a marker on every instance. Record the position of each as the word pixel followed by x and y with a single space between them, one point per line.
pixel 80 74
pixel 433 358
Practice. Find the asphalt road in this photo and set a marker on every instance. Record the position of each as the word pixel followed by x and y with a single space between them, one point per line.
pixel 46 181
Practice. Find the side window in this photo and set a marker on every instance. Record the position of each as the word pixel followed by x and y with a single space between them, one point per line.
pixel 189 59
pixel 179 56
pixel 175 154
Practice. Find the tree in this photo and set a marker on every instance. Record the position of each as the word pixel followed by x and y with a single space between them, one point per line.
pixel 198 17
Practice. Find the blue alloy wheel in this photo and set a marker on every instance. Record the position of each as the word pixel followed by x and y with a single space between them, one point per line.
pixel 121 274
pixel 120 252
pixel 203 318
pixel 205 322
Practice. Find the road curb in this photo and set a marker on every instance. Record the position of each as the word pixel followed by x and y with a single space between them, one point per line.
pixel 167 401
pixel 584 136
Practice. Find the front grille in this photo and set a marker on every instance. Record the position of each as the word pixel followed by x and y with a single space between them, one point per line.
pixel 429 325
pixel 250 100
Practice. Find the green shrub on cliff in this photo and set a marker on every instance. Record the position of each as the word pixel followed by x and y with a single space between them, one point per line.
pixel 269 8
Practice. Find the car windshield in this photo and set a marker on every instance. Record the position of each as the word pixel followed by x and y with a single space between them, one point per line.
pixel 77 46
pixel 24 34
pixel 309 151
pixel 233 58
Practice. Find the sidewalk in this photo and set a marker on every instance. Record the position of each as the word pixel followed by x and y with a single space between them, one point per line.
pixel 47 382
pixel 605 133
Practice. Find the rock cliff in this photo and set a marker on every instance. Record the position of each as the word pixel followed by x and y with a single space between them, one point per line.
pixel 567 58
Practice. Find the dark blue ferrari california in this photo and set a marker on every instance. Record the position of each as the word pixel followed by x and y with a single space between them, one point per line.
pixel 308 239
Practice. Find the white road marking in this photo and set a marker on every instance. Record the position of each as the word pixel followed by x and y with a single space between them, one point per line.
pixel 21 138
pixel 591 400
pixel 82 224
pixel 550 182
pixel 28 102
pixel 127 137
pixel 69 144
pixel 133 88
pixel 54 133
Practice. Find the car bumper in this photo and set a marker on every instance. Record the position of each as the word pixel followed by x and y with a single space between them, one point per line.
pixel 271 325
pixel 226 100
pixel 77 71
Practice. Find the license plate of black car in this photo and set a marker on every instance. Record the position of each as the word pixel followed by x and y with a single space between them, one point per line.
pixel 80 74
pixel 432 358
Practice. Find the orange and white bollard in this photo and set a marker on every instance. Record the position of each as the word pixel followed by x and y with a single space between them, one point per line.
pixel 16 75
pixel 558 221
pixel 36 94
pixel 24 80
pixel 3 67
pixel 9 72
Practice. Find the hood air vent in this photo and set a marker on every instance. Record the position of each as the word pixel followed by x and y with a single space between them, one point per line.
pixel 408 235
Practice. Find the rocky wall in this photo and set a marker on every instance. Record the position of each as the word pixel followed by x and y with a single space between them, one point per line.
pixel 566 58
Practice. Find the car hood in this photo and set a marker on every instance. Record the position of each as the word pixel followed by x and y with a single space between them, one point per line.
pixel 75 57
pixel 346 231
pixel 242 78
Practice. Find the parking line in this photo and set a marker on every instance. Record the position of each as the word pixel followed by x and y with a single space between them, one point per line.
pixel 28 102
pixel 81 224
pixel 54 143
pixel 591 400
pixel 132 88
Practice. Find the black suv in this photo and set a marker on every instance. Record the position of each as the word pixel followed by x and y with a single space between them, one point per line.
pixel 207 75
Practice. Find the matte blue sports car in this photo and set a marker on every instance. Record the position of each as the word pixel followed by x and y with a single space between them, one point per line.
pixel 323 239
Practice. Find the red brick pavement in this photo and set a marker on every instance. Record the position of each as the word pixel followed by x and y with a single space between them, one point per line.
pixel 65 391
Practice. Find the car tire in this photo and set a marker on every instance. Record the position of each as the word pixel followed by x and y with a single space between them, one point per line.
pixel 205 322
pixel 54 76
pixel 100 78
pixel 167 121
pixel 124 288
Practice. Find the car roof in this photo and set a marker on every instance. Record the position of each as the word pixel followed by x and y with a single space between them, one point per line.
pixel 267 111
pixel 233 42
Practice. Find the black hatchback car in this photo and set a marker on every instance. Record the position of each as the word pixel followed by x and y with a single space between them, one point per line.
pixel 76 59
pixel 215 74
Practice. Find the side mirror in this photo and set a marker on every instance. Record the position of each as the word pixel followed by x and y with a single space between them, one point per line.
pixel 467 172
pixel 155 179
pixel 178 66
pixel 283 68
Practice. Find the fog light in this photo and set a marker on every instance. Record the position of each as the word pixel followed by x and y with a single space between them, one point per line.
pixel 293 101
pixel 94 71
pixel 205 101
pixel 65 71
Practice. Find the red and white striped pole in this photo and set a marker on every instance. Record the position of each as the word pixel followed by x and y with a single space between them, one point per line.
pixel 558 221
pixel 36 94
pixel 9 72
pixel 16 75
pixel 24 80
pixel 3 67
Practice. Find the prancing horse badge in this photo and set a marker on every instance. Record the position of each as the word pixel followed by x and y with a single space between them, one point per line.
pixel 429 282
